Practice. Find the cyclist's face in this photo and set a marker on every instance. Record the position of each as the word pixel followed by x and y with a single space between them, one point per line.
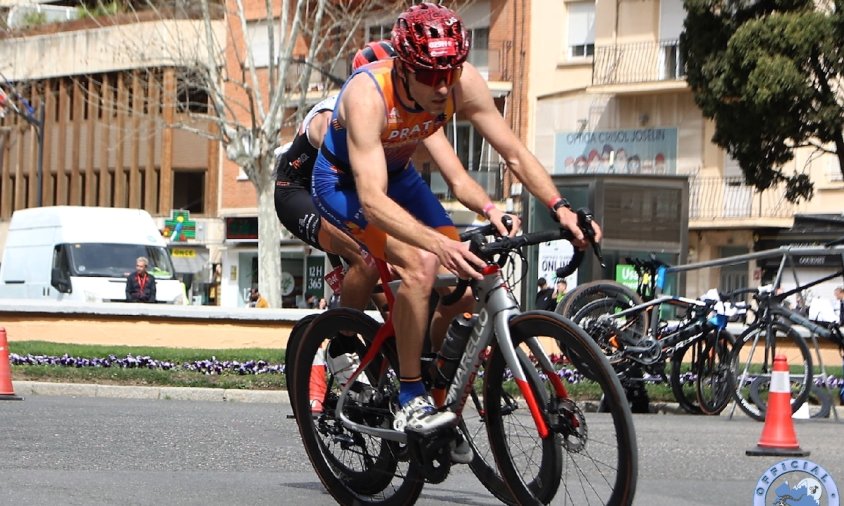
pixel 430 89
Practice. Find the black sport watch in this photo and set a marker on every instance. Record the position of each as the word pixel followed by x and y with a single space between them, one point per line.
pixel 560 203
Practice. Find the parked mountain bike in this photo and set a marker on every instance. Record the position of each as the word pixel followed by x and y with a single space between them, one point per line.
pixel 638 342
pixel 633 380
pixel 698 338
pixel 541 435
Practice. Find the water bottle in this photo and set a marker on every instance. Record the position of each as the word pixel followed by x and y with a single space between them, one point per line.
pixel 444 366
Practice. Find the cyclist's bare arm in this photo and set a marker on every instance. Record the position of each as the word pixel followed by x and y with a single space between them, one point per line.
pixel 476 104
pixel 464 188
pixel 369 167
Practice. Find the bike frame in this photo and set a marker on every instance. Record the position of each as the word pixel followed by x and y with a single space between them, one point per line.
pixel 653 306
pixel 494 313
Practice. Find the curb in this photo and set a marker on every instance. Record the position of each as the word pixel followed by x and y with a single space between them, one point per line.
pixel 25 388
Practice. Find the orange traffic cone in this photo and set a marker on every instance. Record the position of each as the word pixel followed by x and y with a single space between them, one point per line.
pixel 778 437
pixel 7 393
pixel 317 385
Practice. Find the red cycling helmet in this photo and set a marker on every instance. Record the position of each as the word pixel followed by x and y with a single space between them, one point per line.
pixel 431 37
pixel 372 52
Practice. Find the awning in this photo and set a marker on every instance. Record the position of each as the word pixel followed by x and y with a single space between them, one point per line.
pixel 189 260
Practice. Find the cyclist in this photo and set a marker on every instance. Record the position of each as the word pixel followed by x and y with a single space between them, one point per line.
pixel 297 213
pixel 365 184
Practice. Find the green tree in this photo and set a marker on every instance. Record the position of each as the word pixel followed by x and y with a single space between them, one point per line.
pixel 768 73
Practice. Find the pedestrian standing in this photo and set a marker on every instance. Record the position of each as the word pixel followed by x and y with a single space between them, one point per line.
pixel 140 285
pixel 545 296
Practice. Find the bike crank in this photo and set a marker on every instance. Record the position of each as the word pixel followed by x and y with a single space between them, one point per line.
pixel 433 452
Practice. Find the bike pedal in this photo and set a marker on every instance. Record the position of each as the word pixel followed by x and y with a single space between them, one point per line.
pixel 433 451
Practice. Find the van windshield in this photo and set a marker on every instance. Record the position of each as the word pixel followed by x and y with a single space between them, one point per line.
pixel 118 260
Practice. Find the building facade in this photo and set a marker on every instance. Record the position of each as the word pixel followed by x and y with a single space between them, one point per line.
pixel 100 129
pixel 119 129
pixel 607 94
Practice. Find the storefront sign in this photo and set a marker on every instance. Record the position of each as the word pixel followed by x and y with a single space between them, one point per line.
pixel 242 228
pixel 179 227
pixel 635 151
pixel 817 260
pixel 626 275
pixel 315 270
pixel 183 252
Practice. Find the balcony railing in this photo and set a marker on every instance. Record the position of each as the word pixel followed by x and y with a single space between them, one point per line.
pixel 730 198
pixel 638 63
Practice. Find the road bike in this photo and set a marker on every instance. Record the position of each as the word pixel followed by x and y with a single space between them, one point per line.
pixel 774 331
pixel 540 373
pixel 472 426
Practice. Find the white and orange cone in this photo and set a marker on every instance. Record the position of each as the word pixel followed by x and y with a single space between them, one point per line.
pixel 317 386
pixel 7 392
pixel 778 436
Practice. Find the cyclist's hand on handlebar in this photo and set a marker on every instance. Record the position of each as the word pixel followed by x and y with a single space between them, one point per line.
pixel 456 257
pixel 568 219
pixel 496 218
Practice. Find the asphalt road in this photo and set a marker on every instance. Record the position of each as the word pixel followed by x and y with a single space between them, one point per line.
pixel 84 450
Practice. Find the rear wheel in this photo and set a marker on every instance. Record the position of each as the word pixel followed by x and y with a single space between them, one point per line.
pixel 817 405
pixel 354 467
pixel 579 297
pixel 614 334
pixel 592 456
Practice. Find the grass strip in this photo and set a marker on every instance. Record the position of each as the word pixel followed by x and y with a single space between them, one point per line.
pixel 176 377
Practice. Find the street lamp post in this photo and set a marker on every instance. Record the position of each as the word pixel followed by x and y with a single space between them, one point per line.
pixel 28 114
pixel 39 132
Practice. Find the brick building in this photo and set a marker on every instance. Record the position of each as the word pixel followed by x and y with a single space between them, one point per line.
pixel 113 97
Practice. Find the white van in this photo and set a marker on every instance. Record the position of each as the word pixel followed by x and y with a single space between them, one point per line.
pixel 83 254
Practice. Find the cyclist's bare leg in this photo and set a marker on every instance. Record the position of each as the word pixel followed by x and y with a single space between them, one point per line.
pixel 358 282
pixel 361 276
pixel 443 315
pixel 417 269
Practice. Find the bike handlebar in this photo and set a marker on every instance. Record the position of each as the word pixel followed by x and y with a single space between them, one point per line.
pixel 652 264
pixel 488 250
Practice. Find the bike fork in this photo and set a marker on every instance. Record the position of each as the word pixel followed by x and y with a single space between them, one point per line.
pixel 511 357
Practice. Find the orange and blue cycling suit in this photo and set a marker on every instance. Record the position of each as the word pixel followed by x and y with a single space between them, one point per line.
pixel 333 186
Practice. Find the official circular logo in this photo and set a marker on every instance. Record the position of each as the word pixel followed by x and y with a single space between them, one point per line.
pixel 795 482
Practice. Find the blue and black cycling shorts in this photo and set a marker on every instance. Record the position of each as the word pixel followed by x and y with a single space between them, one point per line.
pixel 337 200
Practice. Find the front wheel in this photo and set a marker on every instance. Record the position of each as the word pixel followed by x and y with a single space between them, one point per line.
pixel 713 371
pixel 682 378
pixel 753 357
pixel 473 424
pixel 591 455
